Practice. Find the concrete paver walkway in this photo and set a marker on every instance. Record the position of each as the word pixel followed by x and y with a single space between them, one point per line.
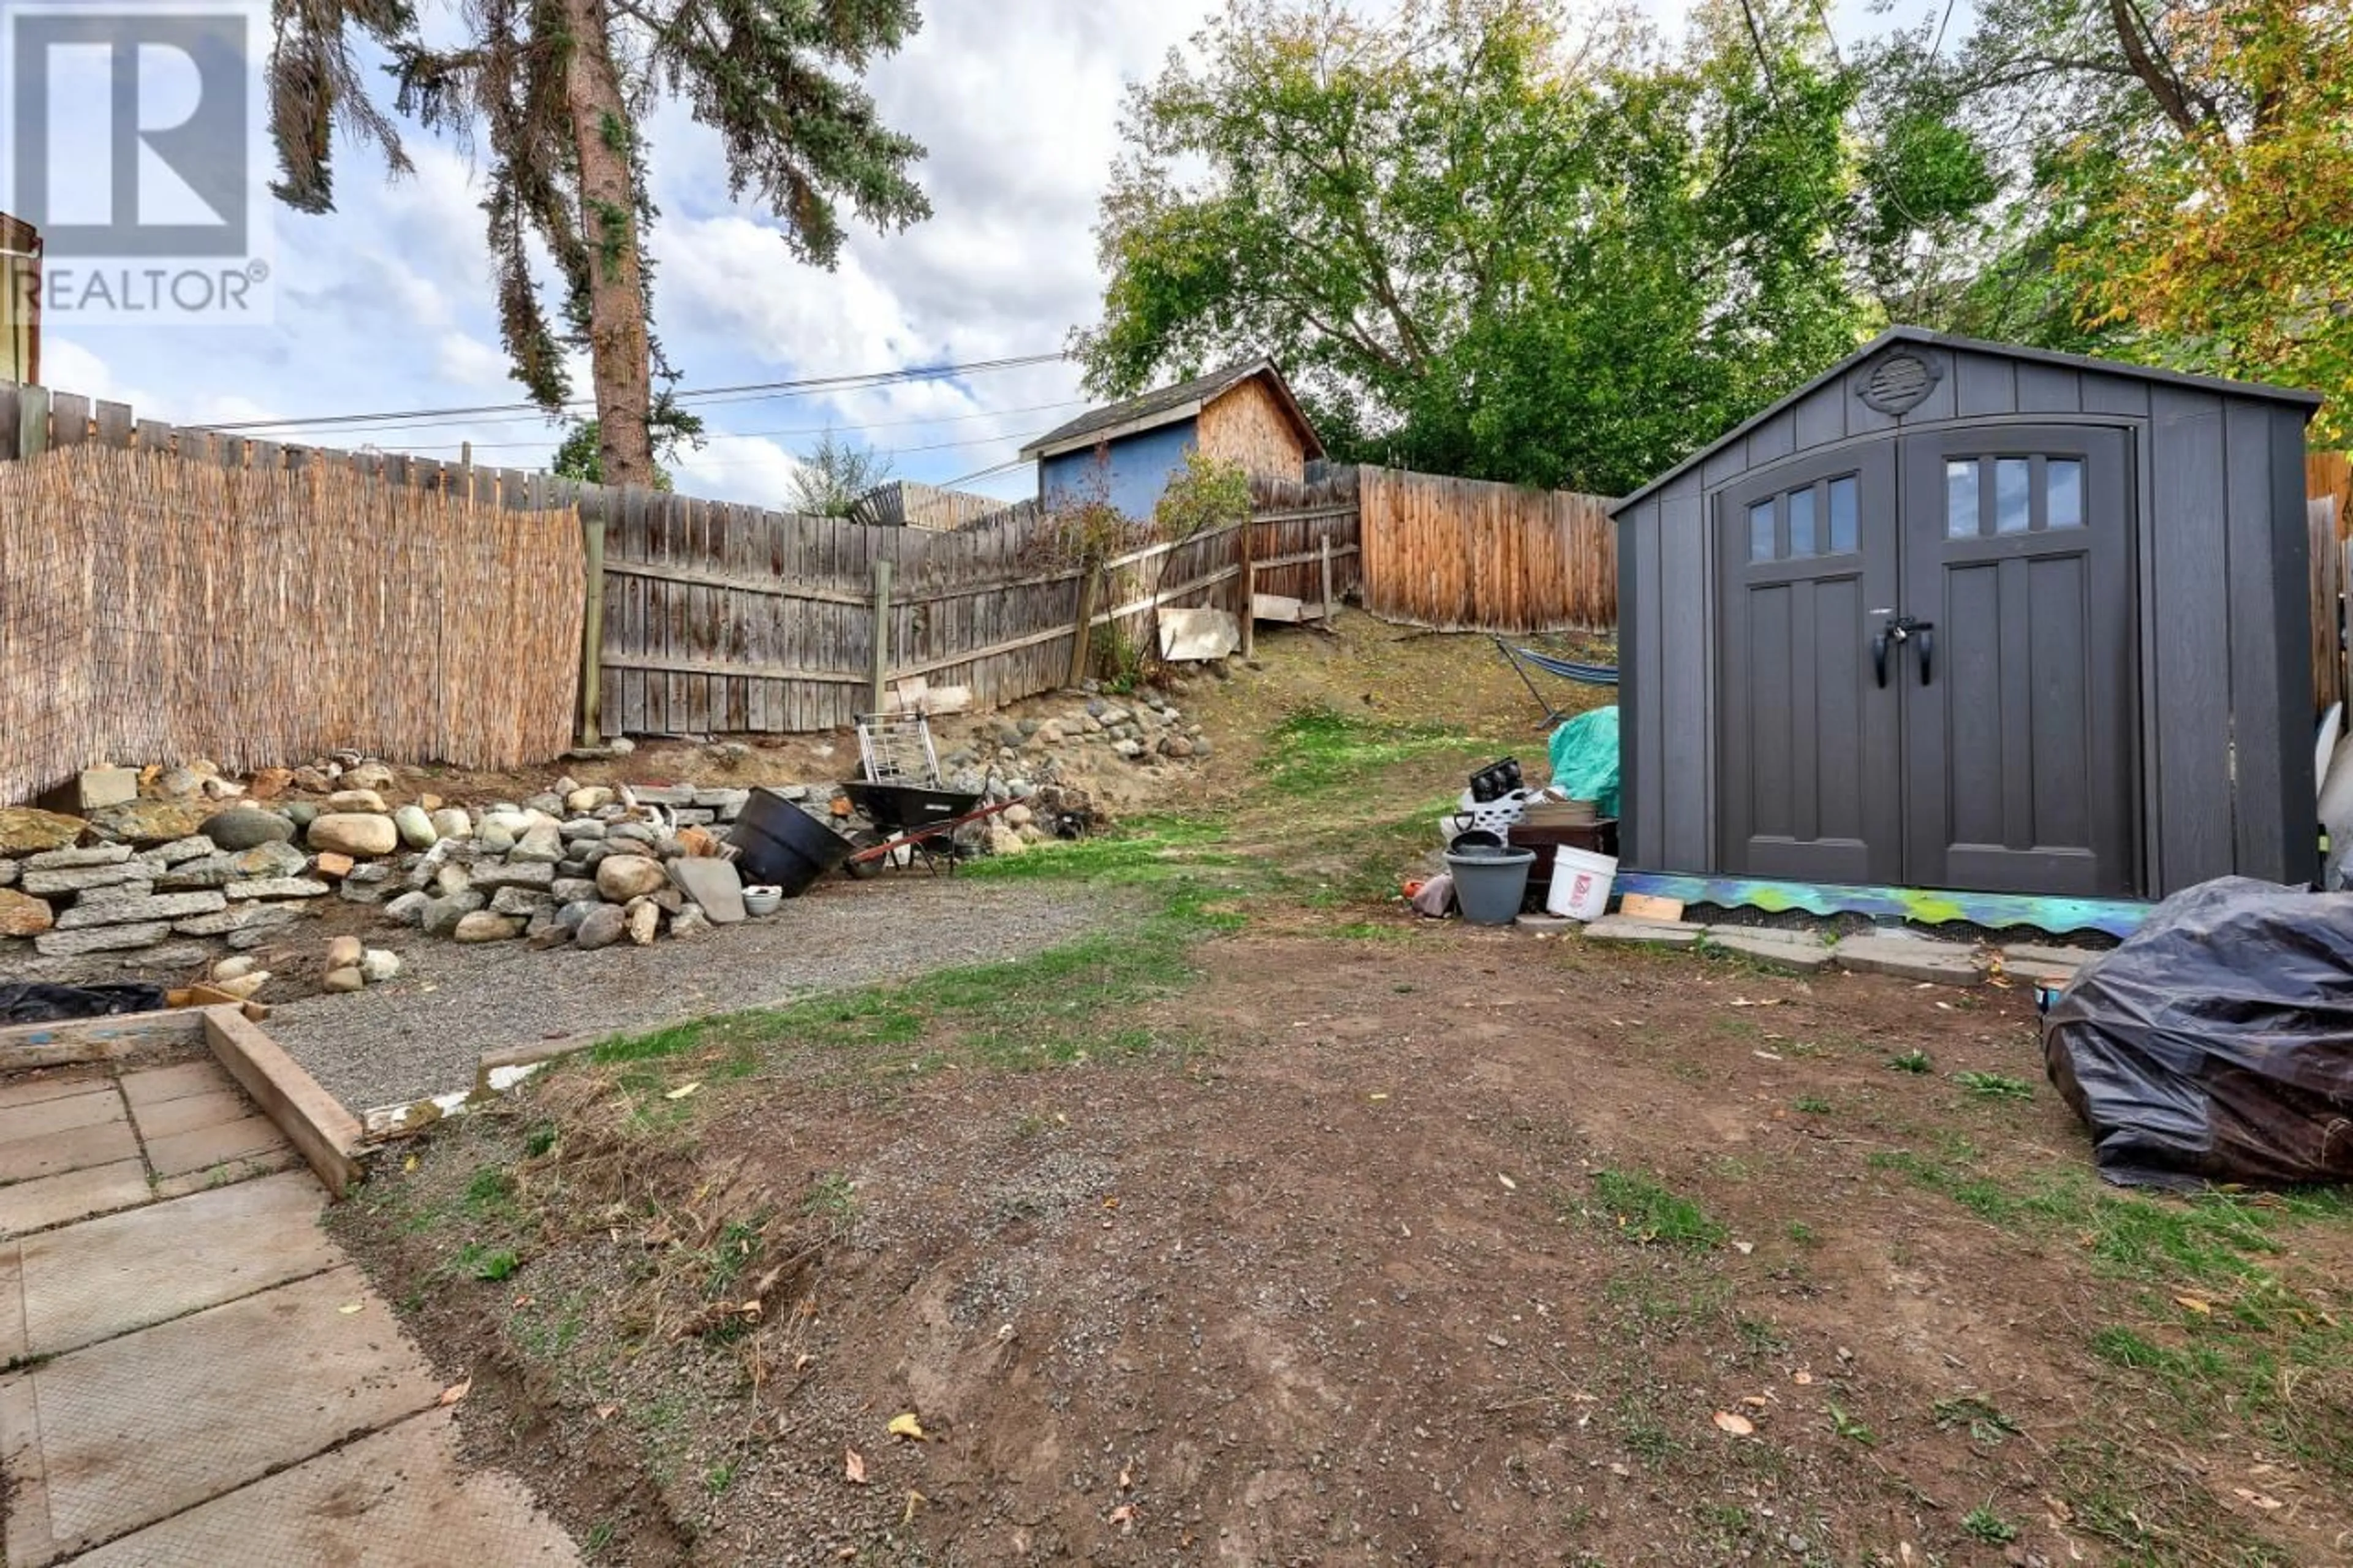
pixel 195 1373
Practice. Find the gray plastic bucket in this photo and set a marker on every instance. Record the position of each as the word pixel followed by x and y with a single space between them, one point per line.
pixel 1490 885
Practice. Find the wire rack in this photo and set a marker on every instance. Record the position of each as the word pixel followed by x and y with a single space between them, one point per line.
pixel 896 748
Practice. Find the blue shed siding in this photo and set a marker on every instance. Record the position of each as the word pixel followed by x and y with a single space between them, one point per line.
pixel 1139 468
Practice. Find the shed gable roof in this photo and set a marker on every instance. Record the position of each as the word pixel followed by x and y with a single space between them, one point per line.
pixel 2308 400
pixel 1167 405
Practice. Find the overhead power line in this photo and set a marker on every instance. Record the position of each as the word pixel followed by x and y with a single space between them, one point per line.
pixel 834 429
pixel 749 391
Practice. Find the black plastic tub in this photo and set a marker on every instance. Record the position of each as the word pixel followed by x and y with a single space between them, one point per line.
pixel 783 846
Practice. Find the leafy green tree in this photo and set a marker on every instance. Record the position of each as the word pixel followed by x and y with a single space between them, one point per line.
pixel 1479 242
pixel 555 93
pixel 834 474
pixel 2173 179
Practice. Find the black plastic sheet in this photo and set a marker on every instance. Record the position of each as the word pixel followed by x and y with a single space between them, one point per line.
pixel 38 1003
pixel 2216 1043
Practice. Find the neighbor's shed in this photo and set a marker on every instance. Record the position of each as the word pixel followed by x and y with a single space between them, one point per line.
pixel 1962 615
pixel 1127 451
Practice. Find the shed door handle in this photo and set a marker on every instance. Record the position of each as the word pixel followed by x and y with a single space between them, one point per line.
pixel 1879 657
pixel 1926 632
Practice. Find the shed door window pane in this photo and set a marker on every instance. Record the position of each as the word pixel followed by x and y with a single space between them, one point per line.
pixel 2013 495
pixel 1802 523
pixel 1843 515
pixel 1961 498
pixel 2064 492
pixel 1760 532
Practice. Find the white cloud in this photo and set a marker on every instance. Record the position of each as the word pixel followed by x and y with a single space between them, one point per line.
pixel 465 360
pixel 737 469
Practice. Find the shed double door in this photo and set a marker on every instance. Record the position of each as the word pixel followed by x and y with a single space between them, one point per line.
pixel 1927 670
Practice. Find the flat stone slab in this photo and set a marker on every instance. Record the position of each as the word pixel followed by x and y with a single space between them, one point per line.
pixel 53 1085
pixel 107 1277
pixel 120 1435
pixel 99 938
pixel 1798 951
pixel 72 1195
pixel 74 1148
pixel 1657 933
pixel 96 1103
pixel 223 1145
pixel 398 1497
pixel 138 906
pixel 149 1085
pixel 2016 953
pixel 1911 957
pixel 713 883
pixel 190 1112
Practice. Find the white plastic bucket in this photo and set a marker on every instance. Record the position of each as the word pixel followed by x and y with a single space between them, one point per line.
pixel 1580 883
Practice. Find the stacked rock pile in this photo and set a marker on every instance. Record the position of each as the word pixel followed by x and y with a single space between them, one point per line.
pixel 583 865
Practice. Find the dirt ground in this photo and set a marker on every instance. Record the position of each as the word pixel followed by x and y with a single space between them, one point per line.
pixel 1272 1227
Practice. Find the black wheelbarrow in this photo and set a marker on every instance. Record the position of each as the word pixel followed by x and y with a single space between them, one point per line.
pixel 911 817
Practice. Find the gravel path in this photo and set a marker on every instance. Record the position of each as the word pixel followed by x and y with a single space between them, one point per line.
pixel 421 1034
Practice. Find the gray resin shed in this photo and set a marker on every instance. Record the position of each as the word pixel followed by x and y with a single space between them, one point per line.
pixel 1961 616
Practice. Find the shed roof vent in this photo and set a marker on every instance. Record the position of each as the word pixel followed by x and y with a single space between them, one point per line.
pixel 1899 381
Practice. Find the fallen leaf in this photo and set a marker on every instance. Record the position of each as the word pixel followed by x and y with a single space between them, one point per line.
pixel 681 1091
pixel 853 1466
pixel 906 1425
pixel 1801 1378
pixel 1509 1185
pixel 1126 1479
pixel 455 1392
pixel 1738 1425
pixel 1123 1516
pixel 2194 1304
pixel 2258 1499
pixel 803 1361
pixel 1744 1248
pixel 1755 1400
pixel 908 1517
pixel 348 1307
pixel 409 1164
pixel 606 1412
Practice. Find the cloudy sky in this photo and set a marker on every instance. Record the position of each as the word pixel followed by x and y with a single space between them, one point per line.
pixel 385 304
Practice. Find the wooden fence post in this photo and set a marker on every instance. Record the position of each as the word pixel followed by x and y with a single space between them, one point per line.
pixel 1089 577
pixel 882 672
pixel 1250 587
pixel 1325 546
pixel 592 630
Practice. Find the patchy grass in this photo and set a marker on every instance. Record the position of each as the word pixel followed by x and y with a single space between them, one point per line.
pixel 1995 1085
pixel 1321 750
pixel 1644 1211
pixel 1916 1062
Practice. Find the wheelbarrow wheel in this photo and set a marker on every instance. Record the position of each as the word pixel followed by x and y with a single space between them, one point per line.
pixel 864 870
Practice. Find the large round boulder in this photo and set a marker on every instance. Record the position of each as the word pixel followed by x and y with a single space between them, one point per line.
pixel 248 827
pixel 621 878
pixel 363 834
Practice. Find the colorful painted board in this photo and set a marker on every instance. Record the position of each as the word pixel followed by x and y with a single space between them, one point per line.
pixel 1929 906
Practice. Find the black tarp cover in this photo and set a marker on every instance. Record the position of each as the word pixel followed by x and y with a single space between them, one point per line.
pixel 2216 1043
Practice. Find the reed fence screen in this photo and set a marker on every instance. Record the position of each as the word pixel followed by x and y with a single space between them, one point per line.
pixel 157 610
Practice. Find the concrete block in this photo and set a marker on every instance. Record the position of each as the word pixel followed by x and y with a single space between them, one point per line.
pixel 2017 952
pixel 1911 957
pixel 1654 933
pixel 1800 952
pixel 107 787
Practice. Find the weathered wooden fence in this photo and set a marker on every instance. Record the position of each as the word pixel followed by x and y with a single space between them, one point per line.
pixel 153 609
pixel 1468 555
pixel 707 618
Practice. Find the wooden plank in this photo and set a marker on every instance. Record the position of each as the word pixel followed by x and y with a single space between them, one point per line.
pixel 1927 906
pixel 71 1040
pixel 69 420
pixel 318 1126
